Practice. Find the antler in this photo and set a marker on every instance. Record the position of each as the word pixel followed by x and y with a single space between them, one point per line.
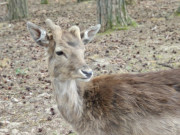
pixel 56 30
pixel 51 24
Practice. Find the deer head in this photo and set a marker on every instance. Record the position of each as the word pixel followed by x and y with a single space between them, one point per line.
pixel 66 50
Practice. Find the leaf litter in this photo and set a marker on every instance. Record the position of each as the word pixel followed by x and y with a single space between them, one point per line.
pixel 27 104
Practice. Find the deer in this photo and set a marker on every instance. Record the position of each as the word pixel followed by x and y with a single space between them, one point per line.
pixel 114 104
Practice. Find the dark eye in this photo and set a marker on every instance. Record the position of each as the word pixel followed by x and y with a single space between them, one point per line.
pixel 60 53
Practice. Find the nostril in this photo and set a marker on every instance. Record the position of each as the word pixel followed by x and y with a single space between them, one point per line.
pixel 87 73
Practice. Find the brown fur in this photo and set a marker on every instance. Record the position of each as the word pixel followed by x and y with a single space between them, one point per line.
pixel 122 104
pixel 120 101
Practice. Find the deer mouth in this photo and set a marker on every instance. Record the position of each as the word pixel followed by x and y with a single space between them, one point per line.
pixel 85 79
pixel 86 75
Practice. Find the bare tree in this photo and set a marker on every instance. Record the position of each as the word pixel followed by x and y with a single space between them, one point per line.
pixel 112 13
pixel 4 10
pixel 17 9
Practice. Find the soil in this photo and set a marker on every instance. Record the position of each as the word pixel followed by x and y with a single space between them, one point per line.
pixel 27 104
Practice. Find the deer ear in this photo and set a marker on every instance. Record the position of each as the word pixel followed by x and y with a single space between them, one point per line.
pixel 88 35
pixel 38 34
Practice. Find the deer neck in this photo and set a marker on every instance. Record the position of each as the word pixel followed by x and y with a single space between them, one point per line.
pixel 69 99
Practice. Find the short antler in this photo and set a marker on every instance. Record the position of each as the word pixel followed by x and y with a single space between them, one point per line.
pixel 51 24
pixel 55 28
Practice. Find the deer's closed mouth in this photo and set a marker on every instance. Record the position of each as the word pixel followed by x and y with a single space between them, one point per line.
pixel 87 74
pixel 85 79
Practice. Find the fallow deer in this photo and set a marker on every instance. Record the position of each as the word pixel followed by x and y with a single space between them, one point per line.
pixel 120 104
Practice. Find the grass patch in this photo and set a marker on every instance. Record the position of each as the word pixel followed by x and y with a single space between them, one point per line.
pixel 85 1
pixel 21 71
pixel 72 134
pixel 134 24
pixel 177 14
pixel 118 28
pixel 107 32
pixel 44 1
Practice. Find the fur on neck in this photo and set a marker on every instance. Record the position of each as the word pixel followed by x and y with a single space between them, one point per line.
pixel 70 103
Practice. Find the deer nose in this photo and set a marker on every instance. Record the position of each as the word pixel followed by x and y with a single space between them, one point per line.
pixel 87 73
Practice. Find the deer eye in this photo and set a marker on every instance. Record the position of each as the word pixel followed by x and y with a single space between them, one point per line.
pixel 60 53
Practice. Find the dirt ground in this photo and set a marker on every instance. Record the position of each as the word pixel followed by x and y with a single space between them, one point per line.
pixel 27 105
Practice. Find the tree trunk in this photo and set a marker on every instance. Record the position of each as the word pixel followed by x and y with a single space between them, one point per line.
pixel 44 1
pixel 17 9
pixel 112 13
